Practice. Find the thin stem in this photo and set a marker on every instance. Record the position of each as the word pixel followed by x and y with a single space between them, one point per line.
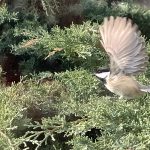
pixel 7 138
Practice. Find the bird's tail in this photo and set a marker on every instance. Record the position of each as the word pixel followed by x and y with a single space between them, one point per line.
pixel 145 88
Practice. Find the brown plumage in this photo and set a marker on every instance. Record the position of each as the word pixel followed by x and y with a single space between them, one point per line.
pixel 128 57
pixel 124 86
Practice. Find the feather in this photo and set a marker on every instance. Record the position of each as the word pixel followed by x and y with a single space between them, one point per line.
pixel 145 88
pixel 123 43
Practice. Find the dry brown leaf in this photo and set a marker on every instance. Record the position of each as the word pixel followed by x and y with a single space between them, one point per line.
pixel 29 43
pixel 53 52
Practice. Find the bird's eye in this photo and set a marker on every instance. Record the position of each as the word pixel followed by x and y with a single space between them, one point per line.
pixel 100 70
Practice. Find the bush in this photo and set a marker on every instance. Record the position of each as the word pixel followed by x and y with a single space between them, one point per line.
pixel 97 10
pixel 24 103
pixel 71 109
pixel 59 103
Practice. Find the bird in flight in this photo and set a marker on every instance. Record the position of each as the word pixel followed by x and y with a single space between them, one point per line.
pixel 128 57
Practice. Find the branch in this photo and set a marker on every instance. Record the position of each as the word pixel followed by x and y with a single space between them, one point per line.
pixel 7 138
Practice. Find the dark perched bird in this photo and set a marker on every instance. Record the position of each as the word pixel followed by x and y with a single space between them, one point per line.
pixel 126 49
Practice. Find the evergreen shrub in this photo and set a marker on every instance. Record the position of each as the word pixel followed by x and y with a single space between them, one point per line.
pixel 59 103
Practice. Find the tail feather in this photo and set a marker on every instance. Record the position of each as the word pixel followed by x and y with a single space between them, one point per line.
pixel 145 89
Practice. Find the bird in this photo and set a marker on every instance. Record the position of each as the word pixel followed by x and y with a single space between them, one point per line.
pixel 126 49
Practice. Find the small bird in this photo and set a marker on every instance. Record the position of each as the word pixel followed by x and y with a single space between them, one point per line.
pixel 126 49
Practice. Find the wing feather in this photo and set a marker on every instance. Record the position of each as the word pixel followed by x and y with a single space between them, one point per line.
pixel 125 46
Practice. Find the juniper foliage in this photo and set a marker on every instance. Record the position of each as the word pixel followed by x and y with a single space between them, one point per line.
pixel 69 109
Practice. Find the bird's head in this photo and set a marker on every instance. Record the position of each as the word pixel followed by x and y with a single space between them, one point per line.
pixel 102 74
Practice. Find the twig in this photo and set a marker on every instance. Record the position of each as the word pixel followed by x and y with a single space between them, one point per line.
pixel 7 138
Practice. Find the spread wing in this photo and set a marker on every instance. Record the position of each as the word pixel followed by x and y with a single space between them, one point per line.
pixel 125 46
